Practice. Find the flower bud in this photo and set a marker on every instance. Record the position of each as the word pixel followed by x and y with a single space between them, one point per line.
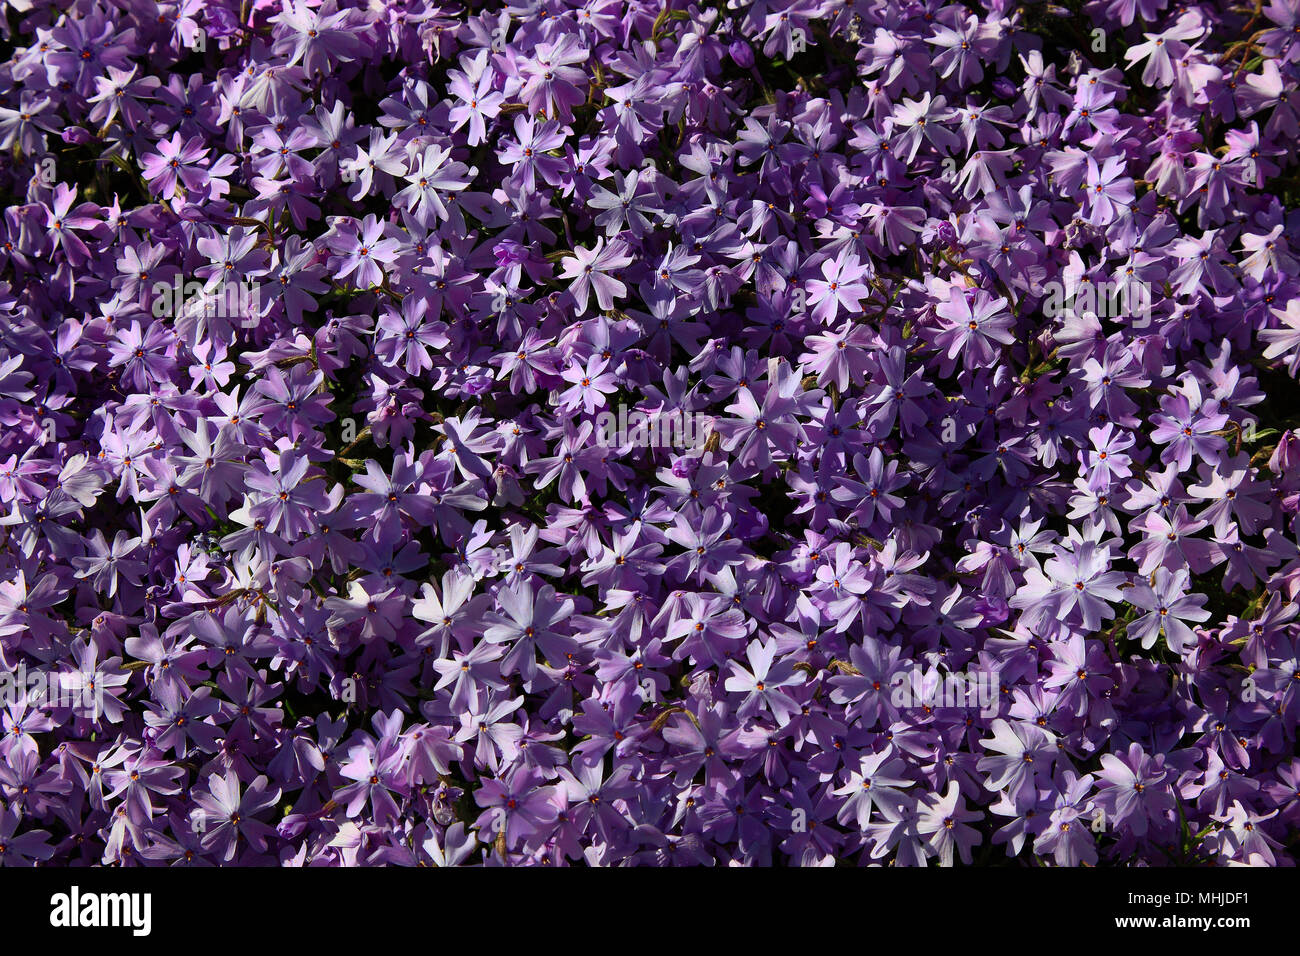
pixel 742 53
pixel 1286 456
pixel 1004 88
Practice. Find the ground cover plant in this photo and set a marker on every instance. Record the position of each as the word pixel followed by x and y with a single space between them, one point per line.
pixel 647 433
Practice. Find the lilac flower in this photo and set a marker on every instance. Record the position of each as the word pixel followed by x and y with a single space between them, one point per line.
pixel 1107 462
pixel 761 683
pixel 143 355
pixel 1021 751
pixel 20 848
pixel 971 327
pixel 1186 426
pixel 919 121
pixel 178 162
pixel 589 385
pixel 377 769
pixel 516 807
pixel 1134 790
pixel 455 847
pixel 1073 579
pixel 840 288
pixel 759 428
pixel 1068 836
pixel 318 41
pixel 590 272
pixel 527 626
pixel 878 780
pixel 230 815
pixel 898 833
pixel 1245 840
pixel 1170 543
pixel 1109 191
pixel 985 350
pixel 1168 605
pixel 432 174
pixel 107 563
pixel 942 822
pixel 529 150
pixel 361 249
pixel 1079 675
pixel 1285 341
pixel 478 101
pixel 873 494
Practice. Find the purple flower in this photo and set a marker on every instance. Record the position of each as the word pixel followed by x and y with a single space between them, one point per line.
pixel 972 324
pixel 17 849
pixel 942 823
pixel 590 273
pixel 228 814
pixel 1133 790
pixel 954 372
pixel 1168 605
pixel 361 249
pixel 761 683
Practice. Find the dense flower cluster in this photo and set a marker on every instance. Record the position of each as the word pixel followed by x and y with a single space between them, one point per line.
pixel 350 517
